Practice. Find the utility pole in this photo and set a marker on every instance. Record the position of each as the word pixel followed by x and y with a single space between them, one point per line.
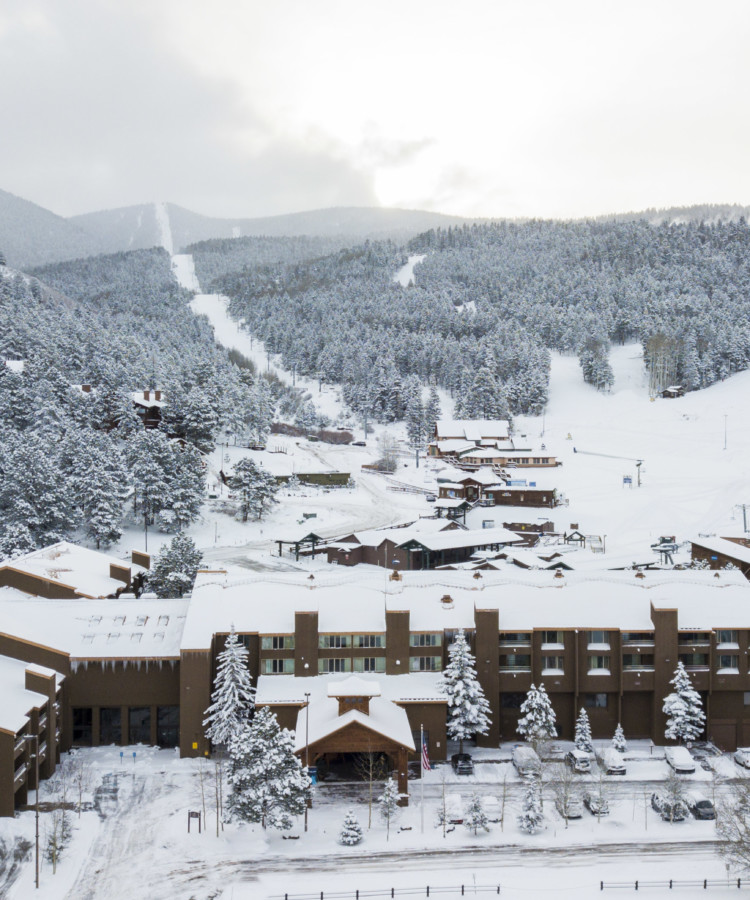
pixel 743 507
pixel 307 746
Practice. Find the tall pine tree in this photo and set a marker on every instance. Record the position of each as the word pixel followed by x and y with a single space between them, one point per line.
pixel 468 709
pixel 233 696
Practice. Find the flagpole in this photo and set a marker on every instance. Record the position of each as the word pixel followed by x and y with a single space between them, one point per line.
pixel 421 773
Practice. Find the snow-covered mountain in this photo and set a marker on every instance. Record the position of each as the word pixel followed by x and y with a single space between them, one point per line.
pixel 136 227
pixel 33 236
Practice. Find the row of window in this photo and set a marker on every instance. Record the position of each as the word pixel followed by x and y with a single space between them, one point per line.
pixel 136 729
pixel 359 664
pixel 513 700
pixel 345 641
pixel 521 662
pixel 523 638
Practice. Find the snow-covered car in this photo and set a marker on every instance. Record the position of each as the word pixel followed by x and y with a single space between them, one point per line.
pixel 431 498
pixel 569 807
pixel 526 761
pixel 454 809
pixel 462 764
pixel 742 757
pixel 611 762
pixel 680 760
pixel 669 810
pixel 700 806
pixel 492 809
pixel 578 760
pixel 595 804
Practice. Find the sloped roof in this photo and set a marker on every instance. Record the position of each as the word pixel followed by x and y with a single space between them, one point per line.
pixel 725 547
pixel 473 429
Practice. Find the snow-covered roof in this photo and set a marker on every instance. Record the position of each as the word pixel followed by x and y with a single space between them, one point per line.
pixel 354 600
pixel 485 453
pixel 15 365
pixel 322 719
pixel 723 546
pixel 98 629
pixel 413 687
pixel 453 445
pixel 85 571
pixel 148 402
pixel 354 686
pixel 450 502
pixel 476 537
pixel 473 429
pixel 15 700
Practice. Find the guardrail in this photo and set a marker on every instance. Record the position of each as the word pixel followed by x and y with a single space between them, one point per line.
pixel 428 891
pixel 705 884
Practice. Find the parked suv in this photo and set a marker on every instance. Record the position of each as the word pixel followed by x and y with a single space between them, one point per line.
pixel 462 764
pixel 578 761
pixel 611 761
pixel 526 761
pixel 670 811
pixel 569 807
pixel 680 760
pixel 700 806
pixel 595 803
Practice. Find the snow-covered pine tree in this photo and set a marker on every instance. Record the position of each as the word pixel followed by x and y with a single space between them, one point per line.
pixel 255 488
pixel 388 801
pixel 351 830
pixel 583 732
pixel 175 567
pixel 531 818
pixel 618 740
pixel 683 708
pixel 468 708
pixel 233 694
pixel 268 783
pixel 432 413
pixel 537 723
pixel 475 816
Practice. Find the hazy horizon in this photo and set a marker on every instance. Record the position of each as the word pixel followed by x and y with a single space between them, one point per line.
pixel 496 109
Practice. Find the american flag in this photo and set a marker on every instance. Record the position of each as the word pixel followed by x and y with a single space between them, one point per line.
pixel 425 756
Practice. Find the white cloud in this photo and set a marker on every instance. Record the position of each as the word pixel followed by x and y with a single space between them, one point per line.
pixel 489 107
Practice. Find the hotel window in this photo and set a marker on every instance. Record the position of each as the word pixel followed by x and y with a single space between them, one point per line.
pixel 553 665
pixel 278 667
pixel 515 662
pixel 727 663
pixel 552 640
pixel 693 637
pixel 426 639
pixel 635 661
pixel 277 642
pixel 598 640
pixel 333 641
pixel 727 639
pixel 515 638
pixel 369 664
pixel 366 641
pixel 598 665
pixel 425 663
pixel 638 637
pixel 595 701
pixel 333 664
pixel 694 660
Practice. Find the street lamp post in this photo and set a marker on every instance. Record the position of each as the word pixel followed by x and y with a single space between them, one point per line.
pixel 307 745
pixel 35 738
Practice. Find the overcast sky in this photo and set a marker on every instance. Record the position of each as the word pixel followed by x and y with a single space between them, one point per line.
pixel 476 107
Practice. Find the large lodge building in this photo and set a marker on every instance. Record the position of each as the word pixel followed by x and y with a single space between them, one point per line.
pixel 352 659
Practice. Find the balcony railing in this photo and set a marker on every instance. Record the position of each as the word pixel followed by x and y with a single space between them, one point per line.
pixel 515 668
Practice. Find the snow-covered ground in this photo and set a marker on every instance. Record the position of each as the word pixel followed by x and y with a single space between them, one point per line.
pixel 132 838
